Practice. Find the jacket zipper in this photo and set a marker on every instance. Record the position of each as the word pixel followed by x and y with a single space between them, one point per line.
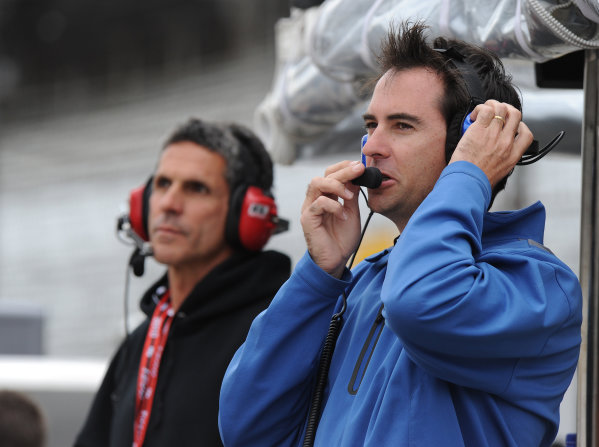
pixel 366 353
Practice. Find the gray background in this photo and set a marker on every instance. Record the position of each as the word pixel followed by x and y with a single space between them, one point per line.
pixel 75 140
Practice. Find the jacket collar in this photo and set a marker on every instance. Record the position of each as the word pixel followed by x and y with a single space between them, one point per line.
pixel 526 223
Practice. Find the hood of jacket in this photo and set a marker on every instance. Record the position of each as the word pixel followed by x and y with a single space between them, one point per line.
pixel 239 281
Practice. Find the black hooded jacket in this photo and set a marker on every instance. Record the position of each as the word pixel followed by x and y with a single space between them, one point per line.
pixel 210 325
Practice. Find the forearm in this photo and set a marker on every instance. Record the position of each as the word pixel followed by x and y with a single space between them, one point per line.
pixel 266 390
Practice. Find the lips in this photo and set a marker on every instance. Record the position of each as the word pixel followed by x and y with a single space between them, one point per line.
pixel 385 176
pixel 168 229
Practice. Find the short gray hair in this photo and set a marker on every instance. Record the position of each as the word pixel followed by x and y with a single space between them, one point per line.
pixel 248 162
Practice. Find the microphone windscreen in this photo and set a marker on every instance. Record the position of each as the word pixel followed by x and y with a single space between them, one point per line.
pixel 371 178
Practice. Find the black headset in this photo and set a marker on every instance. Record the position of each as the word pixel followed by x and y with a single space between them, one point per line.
pixel 474 87
pixel 461 120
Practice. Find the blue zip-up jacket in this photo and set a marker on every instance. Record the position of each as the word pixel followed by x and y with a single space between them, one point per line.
pixel 476 343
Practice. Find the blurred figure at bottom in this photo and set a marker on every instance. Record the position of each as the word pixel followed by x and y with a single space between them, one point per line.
pixel 22 423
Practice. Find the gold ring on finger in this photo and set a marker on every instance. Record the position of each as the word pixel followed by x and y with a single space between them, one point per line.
pixel 500 118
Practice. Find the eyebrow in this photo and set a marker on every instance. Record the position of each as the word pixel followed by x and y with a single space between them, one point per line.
pixel 394 117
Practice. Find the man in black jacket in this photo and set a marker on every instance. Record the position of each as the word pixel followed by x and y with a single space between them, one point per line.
pixel 209 214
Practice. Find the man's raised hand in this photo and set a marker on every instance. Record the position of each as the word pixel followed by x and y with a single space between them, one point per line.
pixel 331 216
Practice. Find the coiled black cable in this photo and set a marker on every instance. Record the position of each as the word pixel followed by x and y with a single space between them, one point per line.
pixel 326 355
pixel 321 380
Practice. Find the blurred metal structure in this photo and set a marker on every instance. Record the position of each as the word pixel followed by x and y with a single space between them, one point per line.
pixel 588 365
pixel 324 53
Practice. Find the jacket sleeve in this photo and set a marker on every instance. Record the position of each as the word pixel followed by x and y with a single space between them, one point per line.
pixel 473 318
pixel 266 390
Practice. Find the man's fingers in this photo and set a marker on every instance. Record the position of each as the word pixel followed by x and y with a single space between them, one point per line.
pixel 324 205
pixel 337 167
pixel 332 226
pixel 337 182
pixel 329 187
pixel 345 171
pixel 495 141
pixel 513 118
pixel 492 113
pixel 523 139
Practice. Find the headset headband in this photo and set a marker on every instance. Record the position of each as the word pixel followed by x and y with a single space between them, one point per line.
pixel 471 79
pixel 476 95
pixel 475 90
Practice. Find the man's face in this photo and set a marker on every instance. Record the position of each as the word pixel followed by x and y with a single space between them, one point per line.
pixel 188 206
pixel 406 140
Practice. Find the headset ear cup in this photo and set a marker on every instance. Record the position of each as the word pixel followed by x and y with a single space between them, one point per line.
pixel 251 218
pixel 455 129
pixel 145 209
pixel 454 133
pixel 232 222
pixel 257 219
pixel 139 205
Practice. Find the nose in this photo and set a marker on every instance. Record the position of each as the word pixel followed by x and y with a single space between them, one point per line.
pixel 171 200
pixel 375 147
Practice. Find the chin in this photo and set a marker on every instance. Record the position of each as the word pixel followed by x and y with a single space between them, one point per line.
pixel 162 260
pixel 165 256
pixel 377 204
pixel 392 211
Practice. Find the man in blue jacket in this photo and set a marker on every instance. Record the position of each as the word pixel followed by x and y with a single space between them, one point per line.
pixel 467 331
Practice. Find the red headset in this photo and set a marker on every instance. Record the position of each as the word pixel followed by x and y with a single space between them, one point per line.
pixel 251 220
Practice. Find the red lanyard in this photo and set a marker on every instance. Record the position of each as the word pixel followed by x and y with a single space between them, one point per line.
pixel 147 377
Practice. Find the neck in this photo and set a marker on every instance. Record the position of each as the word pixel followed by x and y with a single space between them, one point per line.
pixel 182 279
pixel 398 219
pixel 400 222
pixel 400 225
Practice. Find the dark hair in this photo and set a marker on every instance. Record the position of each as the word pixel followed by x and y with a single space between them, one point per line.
pixel 248 162
pixel 406 47
pixel 21 421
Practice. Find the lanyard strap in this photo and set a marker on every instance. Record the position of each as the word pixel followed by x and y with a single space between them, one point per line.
pixel 149 364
